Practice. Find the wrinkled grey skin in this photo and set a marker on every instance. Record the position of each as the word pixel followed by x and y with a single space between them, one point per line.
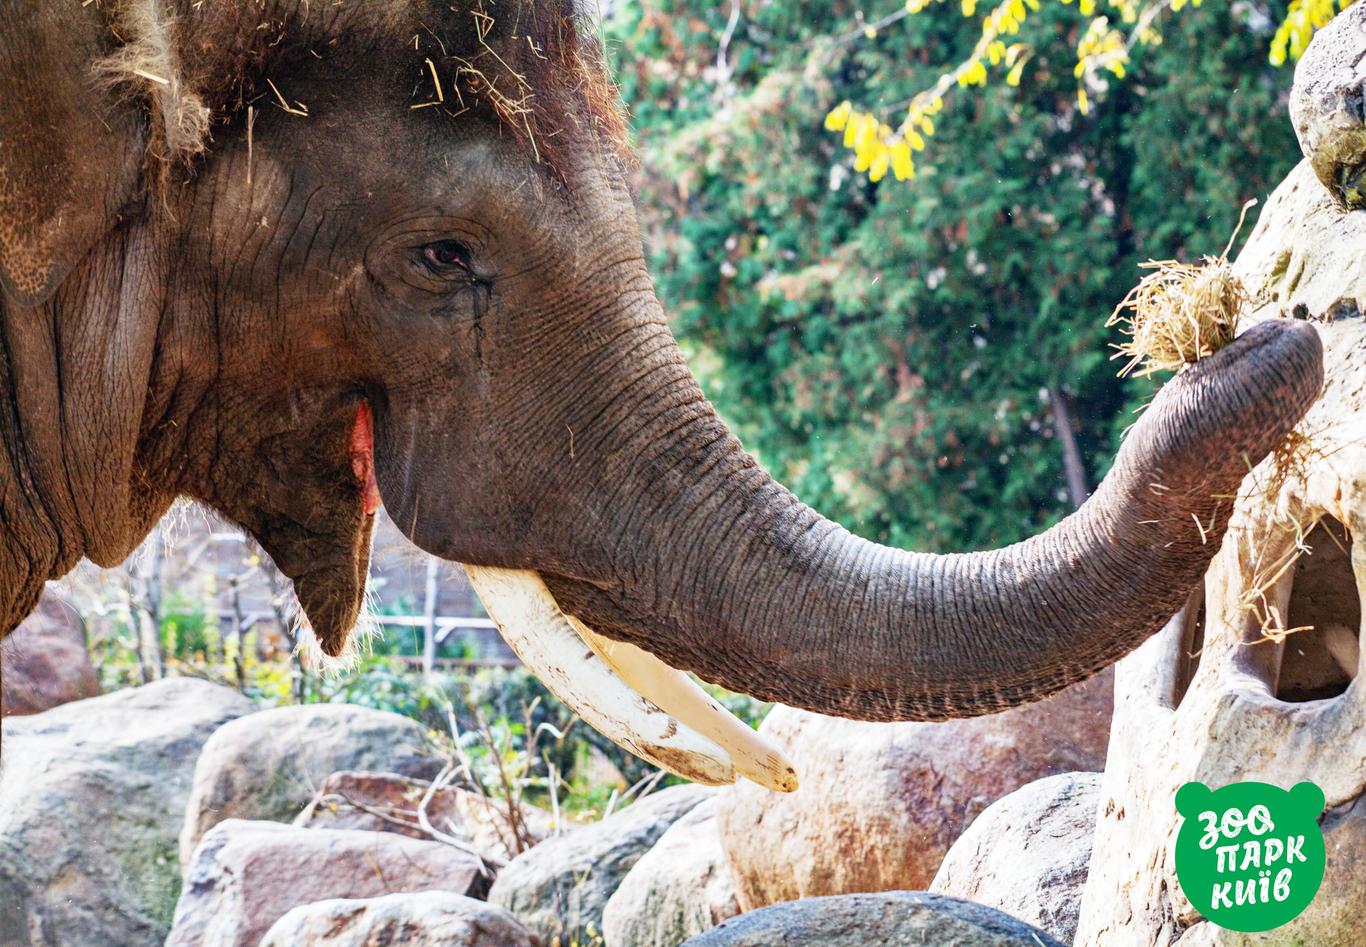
pixel 179 321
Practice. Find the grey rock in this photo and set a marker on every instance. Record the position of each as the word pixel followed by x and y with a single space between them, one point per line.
pixel 1328 105
pixel 91 795
pixel 560 887
pixel 903 918
pixel 679 888
pixel 247 875
pixel 428 919
pixel 1029 853
pixel 269 765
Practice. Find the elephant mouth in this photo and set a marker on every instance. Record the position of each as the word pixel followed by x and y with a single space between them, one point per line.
pixel 362 451
pixel 645 706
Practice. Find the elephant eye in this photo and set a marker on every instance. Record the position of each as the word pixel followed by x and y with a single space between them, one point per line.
pixel 448 257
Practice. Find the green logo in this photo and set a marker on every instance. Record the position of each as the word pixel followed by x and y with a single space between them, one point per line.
pixel 1250 855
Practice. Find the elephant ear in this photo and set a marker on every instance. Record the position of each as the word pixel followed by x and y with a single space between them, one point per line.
pixel 75 132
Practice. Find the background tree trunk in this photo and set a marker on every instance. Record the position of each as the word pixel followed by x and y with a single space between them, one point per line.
pixel 1074 470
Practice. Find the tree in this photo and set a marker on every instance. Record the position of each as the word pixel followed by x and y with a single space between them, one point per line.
pixel 1104 51
pixel 895 352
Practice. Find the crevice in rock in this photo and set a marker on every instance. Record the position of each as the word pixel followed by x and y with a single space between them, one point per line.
pixel 1190 646
pixel 1321 660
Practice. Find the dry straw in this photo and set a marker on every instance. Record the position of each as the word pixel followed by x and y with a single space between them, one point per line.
pixel 1180 312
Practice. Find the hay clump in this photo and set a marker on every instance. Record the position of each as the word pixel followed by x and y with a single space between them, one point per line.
pixel 1181 312
pixel 1178 314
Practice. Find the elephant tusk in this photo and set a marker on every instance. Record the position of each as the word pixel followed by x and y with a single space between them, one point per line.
pixel 754 756
pixel 544 638
pixel 625 693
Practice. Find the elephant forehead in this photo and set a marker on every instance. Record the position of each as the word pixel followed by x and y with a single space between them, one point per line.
pixel 535 65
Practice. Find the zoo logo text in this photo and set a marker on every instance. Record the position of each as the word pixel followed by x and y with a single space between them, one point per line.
pixel 1250 856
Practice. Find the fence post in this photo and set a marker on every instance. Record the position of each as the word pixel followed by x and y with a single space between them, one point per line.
pixel 429 618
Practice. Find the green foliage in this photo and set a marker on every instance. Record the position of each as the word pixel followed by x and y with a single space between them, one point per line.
pixel 887 349
pixel 495 711
pixel 186 631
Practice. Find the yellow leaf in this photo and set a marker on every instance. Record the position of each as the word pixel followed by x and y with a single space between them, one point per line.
pixel 902 165
pixel 838 117
pixel 975 74
pixel 1081 101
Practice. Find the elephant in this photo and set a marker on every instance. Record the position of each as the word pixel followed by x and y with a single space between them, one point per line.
pixel 294 260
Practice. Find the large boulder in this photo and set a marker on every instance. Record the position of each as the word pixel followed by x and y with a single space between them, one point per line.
pixel 560 887
pixel 1326 107
pixel 247 875
pixel 427 918
pixel 1028 853
pixel 44 662
pixel 270 764
pixel 903 918
pixel 896 794
pixel 680 887
pixel 387 802
pixel 91 795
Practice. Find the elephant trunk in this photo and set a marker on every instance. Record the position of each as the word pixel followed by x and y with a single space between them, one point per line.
pixel 755 591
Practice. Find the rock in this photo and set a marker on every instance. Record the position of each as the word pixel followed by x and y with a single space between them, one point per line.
pixel 680 887
pixel 903 918
pixel 1028 853
pixel 247 875
pixel 1328 106
pixel 1303 259
pixel 270 764
pixel 560 887
pixel 897 794
pixel 1194 702
pixel 44 662
pixel 345 797
pixel 91 795
pixel 427 918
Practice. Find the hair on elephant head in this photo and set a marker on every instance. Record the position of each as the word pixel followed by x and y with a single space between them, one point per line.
pixel 288 258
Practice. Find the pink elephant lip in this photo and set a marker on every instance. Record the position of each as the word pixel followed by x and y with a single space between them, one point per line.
pixel 362 451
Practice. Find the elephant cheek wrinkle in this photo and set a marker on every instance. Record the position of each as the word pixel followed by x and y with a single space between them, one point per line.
pixel 363 457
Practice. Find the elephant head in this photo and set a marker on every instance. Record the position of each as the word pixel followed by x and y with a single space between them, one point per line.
pixel 288 258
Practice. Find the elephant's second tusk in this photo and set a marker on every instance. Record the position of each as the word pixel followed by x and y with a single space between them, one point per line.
pixel 754 756
pixel 544 638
